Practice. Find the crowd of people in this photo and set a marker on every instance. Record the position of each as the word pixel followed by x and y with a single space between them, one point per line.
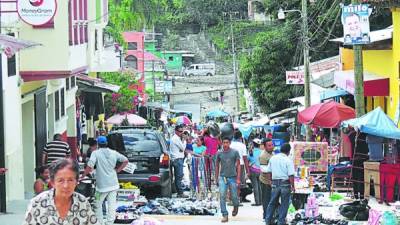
pixel 233 161
pixel 227 162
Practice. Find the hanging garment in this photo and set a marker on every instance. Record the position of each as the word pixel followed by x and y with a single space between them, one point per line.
pixel 390 176
pixel 375 148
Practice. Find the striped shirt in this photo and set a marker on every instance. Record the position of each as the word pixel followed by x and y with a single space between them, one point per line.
pixel 56 150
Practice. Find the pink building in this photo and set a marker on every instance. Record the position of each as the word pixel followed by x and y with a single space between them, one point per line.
pixel 135 53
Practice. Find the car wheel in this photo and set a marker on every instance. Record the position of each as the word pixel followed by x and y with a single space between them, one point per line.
pixel 209 74
pixel 166 191
pixel 191 75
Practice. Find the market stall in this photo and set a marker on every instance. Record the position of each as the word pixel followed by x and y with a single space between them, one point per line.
pixel 380 162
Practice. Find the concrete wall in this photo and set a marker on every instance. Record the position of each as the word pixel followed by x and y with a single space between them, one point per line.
pixel 28 140
pixel 12 134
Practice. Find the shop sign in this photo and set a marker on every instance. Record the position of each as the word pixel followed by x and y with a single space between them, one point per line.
pixel 294 77
pixel 36 12
pixel 159 86
pixel 355 20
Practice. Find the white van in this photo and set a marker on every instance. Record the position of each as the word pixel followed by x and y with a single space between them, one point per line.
pixel 200 70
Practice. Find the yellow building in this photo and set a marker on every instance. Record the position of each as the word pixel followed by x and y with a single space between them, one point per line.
pixel 381 60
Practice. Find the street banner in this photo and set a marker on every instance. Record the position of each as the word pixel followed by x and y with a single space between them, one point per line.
pixel 294 77
pixel 355 20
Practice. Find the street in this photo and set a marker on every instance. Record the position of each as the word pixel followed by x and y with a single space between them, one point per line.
pixel 247 214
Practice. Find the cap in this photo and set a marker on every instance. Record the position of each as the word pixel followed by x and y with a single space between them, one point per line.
pixel 257 141
pixel 101 140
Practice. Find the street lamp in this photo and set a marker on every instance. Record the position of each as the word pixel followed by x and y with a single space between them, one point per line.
pixel 306 50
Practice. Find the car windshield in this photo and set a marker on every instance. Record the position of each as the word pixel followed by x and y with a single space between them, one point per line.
pixel 141 142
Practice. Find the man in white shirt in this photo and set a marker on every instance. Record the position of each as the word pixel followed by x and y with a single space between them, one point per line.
pixel 238 145
pixel 281 170
pixel 177 153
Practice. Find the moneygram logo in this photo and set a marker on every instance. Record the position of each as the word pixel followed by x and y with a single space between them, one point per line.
pixel 36 3
pixel 36 12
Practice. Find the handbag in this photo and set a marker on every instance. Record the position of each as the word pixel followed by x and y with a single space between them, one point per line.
pixel 357 210
pixel 255 169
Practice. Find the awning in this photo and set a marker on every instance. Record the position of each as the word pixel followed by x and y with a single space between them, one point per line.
pixel 10 45
pixel 89 84
pixel 374 85
pixel 332 93
pixel 326 80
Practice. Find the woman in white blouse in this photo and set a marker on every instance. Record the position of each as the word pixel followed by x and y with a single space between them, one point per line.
pixel 61 205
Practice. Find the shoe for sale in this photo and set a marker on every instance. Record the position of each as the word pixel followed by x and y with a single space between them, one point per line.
pixel 224 219
pixel 235 211
pixel 182 196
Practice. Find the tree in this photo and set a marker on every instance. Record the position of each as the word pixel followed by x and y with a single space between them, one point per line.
pixel 263 72
pixel 123 101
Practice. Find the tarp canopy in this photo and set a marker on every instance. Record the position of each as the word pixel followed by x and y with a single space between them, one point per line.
pixel 326 115
pixel 376 123
pixel 217 113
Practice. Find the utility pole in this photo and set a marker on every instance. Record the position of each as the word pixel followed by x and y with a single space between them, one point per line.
pixel 234 64
pixel 358 77
pixel 154 81
pixel 3 193
pixel 306 51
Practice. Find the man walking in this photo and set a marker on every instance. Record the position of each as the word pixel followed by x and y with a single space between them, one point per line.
pixel 105 160
pixel 54 150
pixel 227 175
pixel 281 169
pixel 265 181
pixel 178 147
pixel 238 145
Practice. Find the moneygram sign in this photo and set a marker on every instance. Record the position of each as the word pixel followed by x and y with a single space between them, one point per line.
pixel 36 12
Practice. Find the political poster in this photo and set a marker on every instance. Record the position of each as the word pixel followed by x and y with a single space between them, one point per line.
pixel 355 20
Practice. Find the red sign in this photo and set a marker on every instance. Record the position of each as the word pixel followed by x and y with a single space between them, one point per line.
pixel 294 77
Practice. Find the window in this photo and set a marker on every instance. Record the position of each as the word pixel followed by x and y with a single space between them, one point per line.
pixel 57 105
pixel 131 61
pixel 73 81
pixel 77 19
pixel 67 83
pixel 62 97
pixel 171 58
pixel 132 46
pixel 11 66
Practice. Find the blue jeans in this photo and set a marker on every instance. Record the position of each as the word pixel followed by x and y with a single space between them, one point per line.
pixel 178 174
pixel 279 190
pixel 223 187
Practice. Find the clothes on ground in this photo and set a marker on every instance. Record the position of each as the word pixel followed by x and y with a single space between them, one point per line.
pixel 105 161
pixel 42 210
pixel 281 167
pixel 212 145
pixel 227 160
pixel 56 150
pixel 241 148
pixel 264 159
pixel 164 206
pixel 199 149
pixel 375 147
pixel 177 147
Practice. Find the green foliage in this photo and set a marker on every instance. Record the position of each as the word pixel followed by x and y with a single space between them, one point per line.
pixel 263 72
pixel 123 100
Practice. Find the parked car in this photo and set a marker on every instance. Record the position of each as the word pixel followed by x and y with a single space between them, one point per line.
pixel 147 151
pixel 207 69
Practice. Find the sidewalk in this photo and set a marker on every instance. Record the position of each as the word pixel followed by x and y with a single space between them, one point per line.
pixel 15 213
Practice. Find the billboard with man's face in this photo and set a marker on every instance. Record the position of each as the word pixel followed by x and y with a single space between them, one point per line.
pixel 355 20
